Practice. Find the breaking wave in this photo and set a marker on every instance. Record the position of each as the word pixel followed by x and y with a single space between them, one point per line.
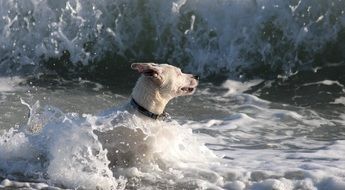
pixel 249 38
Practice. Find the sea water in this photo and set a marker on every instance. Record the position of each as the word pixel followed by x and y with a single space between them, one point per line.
pixel 220 138
pixel 268 113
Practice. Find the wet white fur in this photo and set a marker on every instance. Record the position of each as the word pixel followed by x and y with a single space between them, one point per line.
pixel 154 92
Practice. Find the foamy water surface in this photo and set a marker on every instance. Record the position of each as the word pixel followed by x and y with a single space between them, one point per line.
pixel 221 138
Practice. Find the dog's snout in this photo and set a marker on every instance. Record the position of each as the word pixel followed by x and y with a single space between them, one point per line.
pixel 196 77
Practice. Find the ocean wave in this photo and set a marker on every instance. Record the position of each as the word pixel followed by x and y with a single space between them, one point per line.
pixel 249 38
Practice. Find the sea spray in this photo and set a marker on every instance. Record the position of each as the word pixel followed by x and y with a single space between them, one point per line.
pixel 64 152
pixel 252 38
pixel 72 151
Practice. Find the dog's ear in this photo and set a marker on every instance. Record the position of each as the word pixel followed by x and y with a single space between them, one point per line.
pixel 151 70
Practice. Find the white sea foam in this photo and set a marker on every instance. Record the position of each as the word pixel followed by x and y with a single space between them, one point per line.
pixel 325 82
pixel 8 84
pixel 212 35
pixel 340 100
pixel 266 162
pixel 64 150
pixel 266 147
pixel 13 184
pixel 236 87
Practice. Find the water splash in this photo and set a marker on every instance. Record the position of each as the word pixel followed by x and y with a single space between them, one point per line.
pixel 205 36
pixel 108 152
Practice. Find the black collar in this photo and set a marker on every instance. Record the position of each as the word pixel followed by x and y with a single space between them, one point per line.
pixel 147 113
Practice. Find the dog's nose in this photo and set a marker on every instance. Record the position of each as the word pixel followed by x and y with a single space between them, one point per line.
pixel 196 77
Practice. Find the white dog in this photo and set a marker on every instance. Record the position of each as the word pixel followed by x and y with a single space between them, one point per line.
pixel 158 84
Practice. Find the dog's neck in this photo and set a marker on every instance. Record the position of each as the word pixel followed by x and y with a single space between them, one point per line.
pixel 147 95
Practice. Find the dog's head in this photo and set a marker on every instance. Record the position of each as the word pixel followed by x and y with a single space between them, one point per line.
pixel 169 80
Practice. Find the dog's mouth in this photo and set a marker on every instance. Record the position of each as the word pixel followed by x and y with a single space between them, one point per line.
pixel 188 90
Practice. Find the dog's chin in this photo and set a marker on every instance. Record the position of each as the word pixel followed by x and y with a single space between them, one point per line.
pixel 185 91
